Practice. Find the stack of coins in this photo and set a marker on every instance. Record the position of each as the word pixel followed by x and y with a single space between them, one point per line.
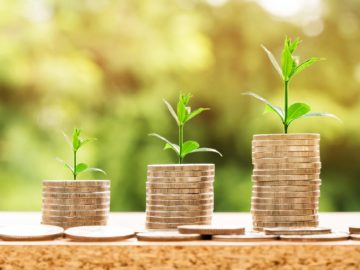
pixel 286 180
pixel 179 194
pixel 69 203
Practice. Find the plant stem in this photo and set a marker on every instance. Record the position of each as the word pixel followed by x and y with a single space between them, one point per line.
pixel 181 139
pixel 74 170
pixel 286 106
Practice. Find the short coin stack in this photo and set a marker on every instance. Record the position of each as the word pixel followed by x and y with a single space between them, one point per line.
pixel 286 180
pixel 179 194
pixel 69 203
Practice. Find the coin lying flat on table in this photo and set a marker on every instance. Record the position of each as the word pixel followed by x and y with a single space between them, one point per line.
pixel 207 212
pixel 316 237
pixel 164 236
pixel 30 233
pixel 297 231
pixel 168 225
pixel 99 233
pixel 354 229
pixel 285 224
pixel 184 220
pixel 69 224
pixel 247 237
pixel 355 237
pixel 293 136
pixel 211 229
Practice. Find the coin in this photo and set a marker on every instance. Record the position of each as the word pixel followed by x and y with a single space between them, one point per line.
pixel 73 195
pixel 285 142
pixel 196 207
pixel 81 201
pixel 304 194
pixel 282 154
pixel 73 218
pixel 181 167
pixel 179 190
pixel 264 218
pixel 316 238
pixel 30 232
pixel 71 213
pixel 75 183
pixel 183 220
pixel 297 231
pixel 99 233
pixel 285 148
pixel 200 196
pixel 266 188
pixel 180 185
pixel 285 160
pixel 309 183
pixel 284 200
pixel 180 173
pixel 298 177
pixel 77 207
pixel 179 202
pixel 167 236
pixel 247 237
pixel 292 136
pixel 211 229
pixel 206 212
pixel 169 226
pixel 292 206
pixel 300 212
pixel 174 179
pixel 286 171
pixel 280 166
pixel 75 224
pixel 286 224
pixel 354 229
pixel 75 189
pixel 355 237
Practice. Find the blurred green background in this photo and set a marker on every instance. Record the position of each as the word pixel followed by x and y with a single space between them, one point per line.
pixel 105 66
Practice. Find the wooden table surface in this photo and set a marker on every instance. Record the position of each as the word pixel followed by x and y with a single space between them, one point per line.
pixel 206 254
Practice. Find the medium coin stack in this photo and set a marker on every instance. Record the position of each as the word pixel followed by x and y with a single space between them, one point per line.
pixel 286 180
pixel 179 194
pixel 70 203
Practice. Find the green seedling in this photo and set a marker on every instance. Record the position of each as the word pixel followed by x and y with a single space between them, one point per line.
pixel 75 144
pixel 290 67
pixel 183 115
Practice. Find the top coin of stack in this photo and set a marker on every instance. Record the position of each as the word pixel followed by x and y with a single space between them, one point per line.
pixel 286 180
pixel 179 194
pixel 69 203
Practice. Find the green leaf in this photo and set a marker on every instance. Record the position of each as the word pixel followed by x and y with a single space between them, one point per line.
pixel 181 109
pixel 287 61
pixel 87 140
pixel 297 110
pixel 76 139
pixel 273 61
pixel 94 170
pixel 171 110
pixel 80 168
pixel 307 64
pixel 173 146
pixel 274 108
pixel 67 165
pixel 195 113
pixel 293 45
pixel 206 149
pixel 188 147
pixel 314 114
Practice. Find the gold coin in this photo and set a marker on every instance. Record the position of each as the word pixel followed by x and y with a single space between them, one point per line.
pixel 188 179
pixel 262 218
pixel 30 232
pixel 292 136
pixel 179 190
pixel 72 213
pixel 180 185
pixel 297 177
pixel 286 172
pixel 285 142
pixel 98 233
pixel 285 200
pixel 73 195
pixel 280 166
pixel 166 236
pixel 285 160
pixel 75 183
pixel 79 201
pixel 182 220
pixel 282 154
pixel 75 224
pixel 73 219
pixel 260 224
pixel 247 237
pixel 211 229
pixel 206 212
pixel 297 231
pixel 312 183
pixel 181 167
pixel 266 188
pixel 299 212
pixel 70 207
pixel 316 238
pixel 355 237
pixel 170 226
pixel 314 194
pixel 180 173
pixel 179 202
pixel 170 197
pixel 152 207
pixel 292 206
pixel 354 229
pixel 285 148
pixel 75 189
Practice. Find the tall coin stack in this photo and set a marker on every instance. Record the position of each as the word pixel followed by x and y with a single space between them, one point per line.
pixel 70 203
pixel 286 180
pixel 179 195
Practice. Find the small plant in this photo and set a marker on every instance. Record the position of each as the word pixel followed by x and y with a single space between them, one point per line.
pixel 289 68
pixel 76 143
pixel 183 115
